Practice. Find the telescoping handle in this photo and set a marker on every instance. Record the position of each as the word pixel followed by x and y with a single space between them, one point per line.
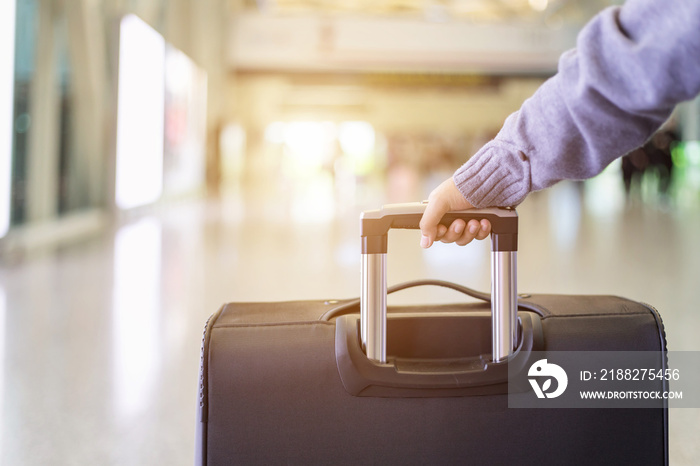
pixel 374 229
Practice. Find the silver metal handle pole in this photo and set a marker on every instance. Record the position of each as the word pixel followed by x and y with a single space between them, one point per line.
pixel 373 306
pixel 374 228
pixel 504 304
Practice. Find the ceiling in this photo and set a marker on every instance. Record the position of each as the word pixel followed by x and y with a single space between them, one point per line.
pixel 481 11
pixel 453 36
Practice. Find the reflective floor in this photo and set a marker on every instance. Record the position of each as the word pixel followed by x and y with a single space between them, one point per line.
pixel 100 340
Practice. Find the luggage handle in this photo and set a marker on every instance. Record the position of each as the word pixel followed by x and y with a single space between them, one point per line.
pixel 374 229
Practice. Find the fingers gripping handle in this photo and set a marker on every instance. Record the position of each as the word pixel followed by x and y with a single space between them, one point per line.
pixel 375 226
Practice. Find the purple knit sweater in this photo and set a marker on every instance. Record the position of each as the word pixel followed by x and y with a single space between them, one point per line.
pixel 632 65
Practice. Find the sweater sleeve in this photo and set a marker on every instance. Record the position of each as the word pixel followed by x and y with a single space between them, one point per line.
pixel 632 65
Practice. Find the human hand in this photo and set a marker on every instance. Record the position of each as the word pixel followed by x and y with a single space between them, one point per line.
pixel 443 199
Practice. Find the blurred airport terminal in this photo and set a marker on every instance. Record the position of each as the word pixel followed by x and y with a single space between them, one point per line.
pixel 161 157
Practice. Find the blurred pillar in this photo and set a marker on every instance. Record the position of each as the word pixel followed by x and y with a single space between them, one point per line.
pixel 209 19
pixel 690 120
pixel 42 163
pixel 86 44
pixel 177 25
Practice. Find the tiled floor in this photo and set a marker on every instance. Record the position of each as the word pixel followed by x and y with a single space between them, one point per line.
pixel 100 341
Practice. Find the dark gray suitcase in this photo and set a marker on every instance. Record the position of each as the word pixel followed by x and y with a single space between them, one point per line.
pixel 292 382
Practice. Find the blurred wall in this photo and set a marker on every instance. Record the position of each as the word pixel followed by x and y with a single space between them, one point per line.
pixel 65 105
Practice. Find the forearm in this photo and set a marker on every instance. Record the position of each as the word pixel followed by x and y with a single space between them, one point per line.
pixel 631 67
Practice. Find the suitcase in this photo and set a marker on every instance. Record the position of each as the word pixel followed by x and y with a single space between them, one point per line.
pixel 350 382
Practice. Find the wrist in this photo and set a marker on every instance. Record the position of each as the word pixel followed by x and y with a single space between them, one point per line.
pixel 498 175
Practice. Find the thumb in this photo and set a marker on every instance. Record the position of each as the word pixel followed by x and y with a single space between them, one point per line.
pixel 434 212
pixel 442 199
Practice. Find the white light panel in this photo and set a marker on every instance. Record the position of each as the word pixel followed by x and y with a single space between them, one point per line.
pixel 139 164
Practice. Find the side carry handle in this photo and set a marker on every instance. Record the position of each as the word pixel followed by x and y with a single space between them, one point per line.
pixel 374 229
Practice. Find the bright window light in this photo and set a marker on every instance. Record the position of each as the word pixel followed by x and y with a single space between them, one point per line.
pixel 7 80
pixel 539 5
pixel 140 114
pixel 692 151
pixel 604 196
pixel 356 138
pixel 357 141
pixel 274 133
pixel 309 143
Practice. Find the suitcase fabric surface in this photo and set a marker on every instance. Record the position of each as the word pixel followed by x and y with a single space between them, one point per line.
pixel 280 383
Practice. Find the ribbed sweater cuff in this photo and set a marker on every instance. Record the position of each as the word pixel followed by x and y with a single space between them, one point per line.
pixel 496 176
